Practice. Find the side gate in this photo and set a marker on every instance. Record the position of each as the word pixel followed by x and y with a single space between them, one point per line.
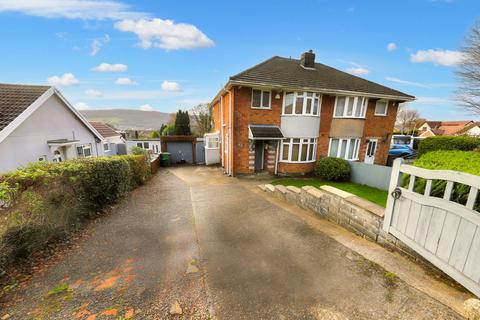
pixel 434 223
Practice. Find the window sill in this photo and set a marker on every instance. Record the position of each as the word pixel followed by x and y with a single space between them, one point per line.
pixel 298 162
pixel 300 115
pixel 380 115
pixel 354 118
pixel 257 108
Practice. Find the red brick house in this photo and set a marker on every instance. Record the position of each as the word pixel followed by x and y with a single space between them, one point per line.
pixel 283 114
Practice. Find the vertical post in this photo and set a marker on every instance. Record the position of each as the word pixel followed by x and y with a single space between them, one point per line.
pixel 394 182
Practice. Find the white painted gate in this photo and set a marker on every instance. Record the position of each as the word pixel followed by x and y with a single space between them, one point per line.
pixel 444 232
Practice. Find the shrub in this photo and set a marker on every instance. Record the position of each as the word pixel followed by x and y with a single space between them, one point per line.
pixel 44 201
pixel 332 169
pixel 461 143
pixel 463 161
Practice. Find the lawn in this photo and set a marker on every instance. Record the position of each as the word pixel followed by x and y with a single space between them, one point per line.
pixel 371 194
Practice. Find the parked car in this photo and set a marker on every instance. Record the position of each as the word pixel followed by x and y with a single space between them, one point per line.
pixel 400 150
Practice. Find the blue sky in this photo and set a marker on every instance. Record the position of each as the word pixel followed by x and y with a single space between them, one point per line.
pixel 165 55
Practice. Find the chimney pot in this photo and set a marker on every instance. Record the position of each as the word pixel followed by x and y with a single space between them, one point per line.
pixel 308 59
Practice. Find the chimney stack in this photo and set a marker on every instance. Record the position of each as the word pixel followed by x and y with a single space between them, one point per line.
pixel 308 59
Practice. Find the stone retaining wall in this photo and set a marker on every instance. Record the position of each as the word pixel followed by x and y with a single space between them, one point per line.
pixel 345 209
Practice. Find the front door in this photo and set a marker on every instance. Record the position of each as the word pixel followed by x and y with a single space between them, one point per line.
pixel 258 155
pixel 371 150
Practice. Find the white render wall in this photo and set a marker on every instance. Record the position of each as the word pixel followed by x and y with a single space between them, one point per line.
pixel 300 126
pixel 53 120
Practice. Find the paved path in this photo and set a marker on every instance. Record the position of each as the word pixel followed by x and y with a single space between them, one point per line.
pixel 255 261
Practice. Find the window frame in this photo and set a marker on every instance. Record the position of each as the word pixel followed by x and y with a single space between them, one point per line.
pixel 363 107
pixel 386 108
pixel 107 149
pixel 261 99
pixel 84 147
pixel 315 96
pixel 311 143
pixel 356 150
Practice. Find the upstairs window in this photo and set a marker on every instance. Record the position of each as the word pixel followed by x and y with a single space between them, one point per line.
pixel 350 107
pixel 301 103
pixel 381 107
pixel 261 99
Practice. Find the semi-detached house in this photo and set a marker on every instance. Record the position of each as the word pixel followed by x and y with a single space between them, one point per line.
pixel 283 114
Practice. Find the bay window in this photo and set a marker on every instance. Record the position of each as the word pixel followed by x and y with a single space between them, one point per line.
pixel 299 150
pixel 350 107
pixel 381 107
pixel 301 103
pixel 261 99
pixel 345 148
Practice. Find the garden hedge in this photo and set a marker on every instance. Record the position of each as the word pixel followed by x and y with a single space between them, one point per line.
pixel 463 161
pixel 461 143
pixel 45 201
pixel 332 169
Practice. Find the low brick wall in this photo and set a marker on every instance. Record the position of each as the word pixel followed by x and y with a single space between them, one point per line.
pixel 345 209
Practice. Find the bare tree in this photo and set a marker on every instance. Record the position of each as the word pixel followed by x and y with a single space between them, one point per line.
pixel 469 71
pixel 407 119
pixel 203 116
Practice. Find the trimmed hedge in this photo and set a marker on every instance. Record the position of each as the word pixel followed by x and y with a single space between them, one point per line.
pixel 463 161
pixel 332 169
pixel 44 201
pixel 461 143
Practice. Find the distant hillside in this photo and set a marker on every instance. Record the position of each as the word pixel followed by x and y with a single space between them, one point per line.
pixel 124 119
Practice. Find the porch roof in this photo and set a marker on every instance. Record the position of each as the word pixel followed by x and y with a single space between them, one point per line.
pixel 61 142
pixel 264 132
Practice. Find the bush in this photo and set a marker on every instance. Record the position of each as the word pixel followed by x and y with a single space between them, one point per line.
pixel 461 143
pixel 332 169
pixel 45 201
pixel 463 161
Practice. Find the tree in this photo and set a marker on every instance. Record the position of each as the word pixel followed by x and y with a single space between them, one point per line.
pixel 182 124
pixel 469 71
pixel 168 130
pixel 156 134
pixel 203 116
pixel 407 119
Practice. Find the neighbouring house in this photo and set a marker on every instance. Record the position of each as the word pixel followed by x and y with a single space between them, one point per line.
pixel 442 128
pixel 38 124
pixel 113 142
pixel 472 130
pixel 152 145
pixel 283 114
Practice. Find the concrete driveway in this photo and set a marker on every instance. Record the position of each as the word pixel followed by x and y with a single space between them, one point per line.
pixel 209 243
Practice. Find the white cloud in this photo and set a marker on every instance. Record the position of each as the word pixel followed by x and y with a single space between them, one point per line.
pixel 171 86
pixel 358 71
pixel 82 106
pixel 67 79
pixel 165 34
pixel 146 107
pixel 94 93
pixel 107 67
pixel 125 81
pixel 392 46
pixel 98 43
pixel 409 83
pixel 441 57
pixel 71 9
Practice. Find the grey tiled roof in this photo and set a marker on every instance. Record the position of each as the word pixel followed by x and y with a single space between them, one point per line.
pixel 289 73
pixel 15 98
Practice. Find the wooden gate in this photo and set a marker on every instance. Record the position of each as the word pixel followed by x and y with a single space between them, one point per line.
pixel 444 232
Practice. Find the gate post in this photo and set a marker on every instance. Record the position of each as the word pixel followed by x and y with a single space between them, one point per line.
pixel 394 182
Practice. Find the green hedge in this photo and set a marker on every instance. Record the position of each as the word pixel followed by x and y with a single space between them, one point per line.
pixel 45 201
pixel 461 143
pixel 332 169
pixel 463 161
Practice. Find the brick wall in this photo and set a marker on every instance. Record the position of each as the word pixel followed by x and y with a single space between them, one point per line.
pixel 326 115
pixel 285 168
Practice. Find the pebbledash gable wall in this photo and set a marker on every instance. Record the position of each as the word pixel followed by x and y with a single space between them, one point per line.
pixel 378 127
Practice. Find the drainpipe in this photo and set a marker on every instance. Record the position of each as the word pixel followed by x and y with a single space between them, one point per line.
pixel 277 156
pixel 221 132
pixel 230 154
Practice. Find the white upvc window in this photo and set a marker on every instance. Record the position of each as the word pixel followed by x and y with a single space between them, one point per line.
pixel 381 107
pixel 261 99
pixel 143 145
pixel 345 148
pixel 350 107
pixel 84 151
pixel 213 142
pixel 301 103
pixel 106 147
pixel 299 150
